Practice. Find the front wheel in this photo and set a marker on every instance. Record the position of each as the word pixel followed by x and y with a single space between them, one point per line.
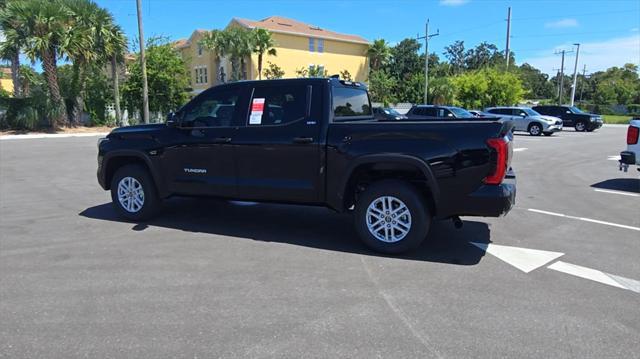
pixel 535 129
pixel 392 217
pixel 580 126
pixel 134 194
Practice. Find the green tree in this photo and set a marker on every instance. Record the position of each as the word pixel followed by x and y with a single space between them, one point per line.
pixel 273 71
pixel 382 87
pixel 346 75
pixel 405 60
pixel 42 27
pixel 262 43
pixel 483 55
pixel 235 42
pixel 471 89
pixel 379 54
pixel 10 50
pixel 456 55
pixel 504 88
pixel 535 82
pixel 441 91
pixel 312 71
pixel 167 77
pixel 28 79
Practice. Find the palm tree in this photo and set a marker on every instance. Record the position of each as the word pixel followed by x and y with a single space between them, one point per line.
pixel 116 46
pixel 235 42
pixel 41 26
pixel 28 77
pixel 10 49
pixel 379 53
pixel 262 43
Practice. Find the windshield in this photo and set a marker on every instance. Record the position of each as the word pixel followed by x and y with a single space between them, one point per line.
pixel 574 109
pixel 390 111
pixel 460 112
pixel 530 112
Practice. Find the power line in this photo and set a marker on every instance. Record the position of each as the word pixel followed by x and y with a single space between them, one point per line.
pixel 575 15
pixel 571 33
pixel 473 28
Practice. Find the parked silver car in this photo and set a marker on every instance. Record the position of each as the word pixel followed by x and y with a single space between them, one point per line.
pixel 527 120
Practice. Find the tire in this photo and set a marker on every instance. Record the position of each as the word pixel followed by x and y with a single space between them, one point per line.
pixel 399 194
pixel 535 129
pixel 548 133
pixel 136 178
pixel 580 126
pixel 591 129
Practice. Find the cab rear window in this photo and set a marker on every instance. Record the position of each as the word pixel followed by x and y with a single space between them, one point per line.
pixel 350 103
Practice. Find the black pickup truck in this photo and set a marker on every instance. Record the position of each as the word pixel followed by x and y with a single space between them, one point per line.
pixel 313 142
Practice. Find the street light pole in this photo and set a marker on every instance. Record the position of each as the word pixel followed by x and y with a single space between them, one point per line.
pixel 143 64
pixel 575 75
pixel 426 38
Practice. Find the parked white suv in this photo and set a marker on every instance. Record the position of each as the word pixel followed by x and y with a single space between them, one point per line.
pixel 527 120
pixel 632 155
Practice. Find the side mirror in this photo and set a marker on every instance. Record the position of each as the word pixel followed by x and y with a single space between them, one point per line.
pixel 171 120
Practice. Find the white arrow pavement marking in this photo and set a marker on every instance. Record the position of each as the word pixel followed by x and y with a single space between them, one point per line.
pixel 520 149
pixel 596 275
pixel 524 259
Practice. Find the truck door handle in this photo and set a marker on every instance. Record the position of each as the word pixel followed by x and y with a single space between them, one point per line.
pixel 303 140
pixel 222 140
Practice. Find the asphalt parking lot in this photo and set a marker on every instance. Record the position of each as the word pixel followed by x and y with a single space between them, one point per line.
pixel 219 279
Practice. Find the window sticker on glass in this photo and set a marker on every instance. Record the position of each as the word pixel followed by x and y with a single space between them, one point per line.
pixel 257 107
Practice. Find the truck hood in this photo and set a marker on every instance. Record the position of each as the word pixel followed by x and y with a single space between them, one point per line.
pixel 137 131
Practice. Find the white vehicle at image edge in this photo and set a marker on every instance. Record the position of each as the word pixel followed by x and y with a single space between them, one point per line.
pixel 632 155
pixel 527 120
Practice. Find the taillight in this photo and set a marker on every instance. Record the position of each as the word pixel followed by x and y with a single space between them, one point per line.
pixel 632 135
pixel 501 146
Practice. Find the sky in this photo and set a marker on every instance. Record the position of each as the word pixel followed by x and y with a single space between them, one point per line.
pixel 608 30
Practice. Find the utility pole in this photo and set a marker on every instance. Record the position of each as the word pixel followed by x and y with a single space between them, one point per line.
pixel 561 89
pixel 584 79
pixel 143 64
pixel 575 74
pixel 506 52
pixel 426 38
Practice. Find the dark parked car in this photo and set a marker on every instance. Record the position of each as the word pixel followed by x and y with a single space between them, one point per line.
pixel 572 116
pixel 313 142
pixel 434 112
pixel 388 114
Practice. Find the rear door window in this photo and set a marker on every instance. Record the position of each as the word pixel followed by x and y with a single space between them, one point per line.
pixel 350 103
pixel 277 105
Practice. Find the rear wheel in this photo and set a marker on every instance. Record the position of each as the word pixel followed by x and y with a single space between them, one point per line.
pixel 580 126
pixel 134 194
pixel 535 129
pixel 392 217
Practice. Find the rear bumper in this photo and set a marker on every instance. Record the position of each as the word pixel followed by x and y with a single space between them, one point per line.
pixel 490 200
pixel 628 157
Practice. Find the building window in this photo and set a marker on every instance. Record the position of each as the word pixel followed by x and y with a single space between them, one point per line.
pixel 320 45
pixel 311 44
pixel 201 75
pixel 200 50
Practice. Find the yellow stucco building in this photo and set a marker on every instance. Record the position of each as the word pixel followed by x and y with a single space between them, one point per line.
pixel 298 45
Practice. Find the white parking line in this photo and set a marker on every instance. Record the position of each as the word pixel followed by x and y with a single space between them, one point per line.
pixel 584 219
pixel 617 192
pixel 520 149
pixel 51 135
pixel 596 275
pixel 614 158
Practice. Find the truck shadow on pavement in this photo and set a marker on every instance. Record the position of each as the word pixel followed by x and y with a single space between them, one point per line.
pixel 313 227
pixel 631 185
